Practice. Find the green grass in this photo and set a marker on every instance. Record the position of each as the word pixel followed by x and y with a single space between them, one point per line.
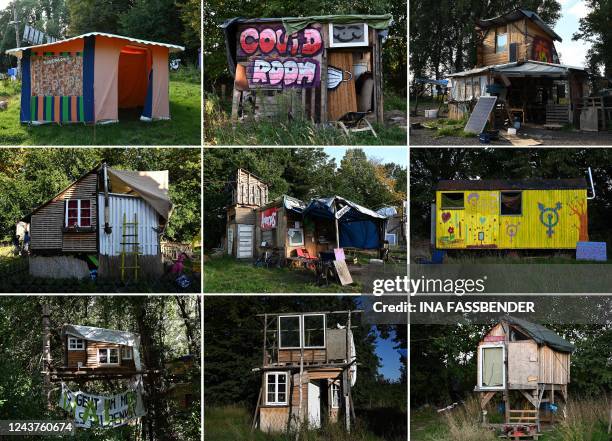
pixel 219 130
pixel 233 423
pixel 183 129
pixel 226 274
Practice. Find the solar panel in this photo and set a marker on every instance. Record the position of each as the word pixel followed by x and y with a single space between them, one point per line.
pixel 480 114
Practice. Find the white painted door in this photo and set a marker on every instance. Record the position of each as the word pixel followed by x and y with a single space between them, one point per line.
pixel 230 240
pixel 246 234
pixel 314 405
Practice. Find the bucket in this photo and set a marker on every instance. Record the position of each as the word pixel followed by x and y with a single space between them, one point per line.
pixel 359 68
pixel 511 131
pixel 432 113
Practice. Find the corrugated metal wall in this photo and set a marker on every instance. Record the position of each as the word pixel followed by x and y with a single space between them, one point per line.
pixel 110 244
pixel 550 219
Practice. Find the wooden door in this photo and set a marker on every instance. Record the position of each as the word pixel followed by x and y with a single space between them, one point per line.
pixel 342 98
pixel 314 405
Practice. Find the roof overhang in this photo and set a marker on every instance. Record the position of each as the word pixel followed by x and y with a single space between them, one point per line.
pixel 17 52
pixel 515 15
pixel 521 69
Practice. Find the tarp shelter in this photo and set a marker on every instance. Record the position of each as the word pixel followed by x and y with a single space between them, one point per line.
pixel 102 335
pixel 90 77
pixel 358 227
pixel 152 186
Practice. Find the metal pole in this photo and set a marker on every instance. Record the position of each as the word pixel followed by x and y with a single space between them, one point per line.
pixel 17 39
pixel 336 222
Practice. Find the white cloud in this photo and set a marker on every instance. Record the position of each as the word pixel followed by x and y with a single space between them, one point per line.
pixel 579 10
pixel 573 53
pixel 5 3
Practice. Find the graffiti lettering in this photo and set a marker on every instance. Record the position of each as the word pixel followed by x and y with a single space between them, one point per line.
pixel 285 73
pixel 307 42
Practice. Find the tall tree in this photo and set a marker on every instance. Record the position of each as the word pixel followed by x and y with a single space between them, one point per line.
pixel 596 28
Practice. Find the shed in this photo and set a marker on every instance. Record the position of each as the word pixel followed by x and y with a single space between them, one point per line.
pixel 510 214
pixel 517 62
pixel 98 350
pixel 319 67
pixel 527 363
pixel 88 78
pixel 99 221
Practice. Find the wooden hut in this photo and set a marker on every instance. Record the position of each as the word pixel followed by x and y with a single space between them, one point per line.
pixel 102 219
pixel 529 365
pixel 320 67
pixel 517 62
pixel 94 350
pixel 308 368
pixel 510 214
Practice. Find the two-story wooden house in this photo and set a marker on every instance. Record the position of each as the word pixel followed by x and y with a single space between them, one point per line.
pixel 308 369
pixel 517 62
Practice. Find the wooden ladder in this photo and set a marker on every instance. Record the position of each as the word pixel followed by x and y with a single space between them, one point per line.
pixel 130 240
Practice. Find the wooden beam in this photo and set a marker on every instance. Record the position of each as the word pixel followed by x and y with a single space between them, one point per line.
pixel 486 397
pixel 530 398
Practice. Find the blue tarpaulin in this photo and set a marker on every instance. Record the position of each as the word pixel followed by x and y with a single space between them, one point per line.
pixel 359 227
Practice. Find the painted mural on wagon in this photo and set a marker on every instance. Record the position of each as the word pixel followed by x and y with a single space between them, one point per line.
pixel 322 66
pixel 507 214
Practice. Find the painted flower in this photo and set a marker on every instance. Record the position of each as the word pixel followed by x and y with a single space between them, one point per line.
pixel 451 230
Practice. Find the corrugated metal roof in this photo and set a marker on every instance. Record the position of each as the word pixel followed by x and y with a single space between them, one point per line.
pixel 172 47
pixel 506 184
pixel 518 14
pixel 521 68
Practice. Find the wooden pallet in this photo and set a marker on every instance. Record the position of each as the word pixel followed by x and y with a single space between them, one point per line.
pixel 557 115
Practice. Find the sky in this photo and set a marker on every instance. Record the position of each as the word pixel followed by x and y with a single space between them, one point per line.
pixel 4 3
pixel 397 155
pixel 389 358
pixel 572 53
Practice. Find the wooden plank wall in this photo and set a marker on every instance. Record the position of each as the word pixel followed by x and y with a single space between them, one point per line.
pixel 554 366
pixel 249 190
pixel 46 225
pixel 293 356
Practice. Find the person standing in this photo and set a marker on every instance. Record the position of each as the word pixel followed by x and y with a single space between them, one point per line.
pixel 26 242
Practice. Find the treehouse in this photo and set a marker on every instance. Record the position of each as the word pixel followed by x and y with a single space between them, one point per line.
pixel 517 62
pixel 320 68
pixel 309 366
pixel 510 214
pixel 256 225
pixel 90 350
pixel 529 365
pixel 108 222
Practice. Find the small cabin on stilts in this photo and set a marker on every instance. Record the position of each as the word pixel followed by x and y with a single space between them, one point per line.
pixel 529 366
pixel 309 367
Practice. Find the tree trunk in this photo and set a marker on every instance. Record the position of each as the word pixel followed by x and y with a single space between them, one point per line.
pixel 189 331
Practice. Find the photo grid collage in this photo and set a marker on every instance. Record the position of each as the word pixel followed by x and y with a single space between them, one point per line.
pixel 231 220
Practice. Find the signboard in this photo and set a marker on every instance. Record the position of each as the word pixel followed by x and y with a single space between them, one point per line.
pixel 276 60
pixel 342 211
pixel 591 251
pixel 269 219
pixel 89 410
pixel 343 272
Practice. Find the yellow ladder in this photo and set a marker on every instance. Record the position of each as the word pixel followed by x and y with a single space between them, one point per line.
pixel 130 240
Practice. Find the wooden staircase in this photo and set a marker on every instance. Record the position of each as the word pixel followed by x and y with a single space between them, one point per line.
pixel 557 115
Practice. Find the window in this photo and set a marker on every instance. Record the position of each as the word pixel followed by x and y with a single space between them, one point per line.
pixel 511 203
pixel 452 201
pixel 289 331
pixel 335 394
pixel 76 344
pixel 314 331
pixel 78 213
pixel 501 43
pixel 276 388
pixel 492 367
pixel 126 353
pixel 108 356
pixel 296 236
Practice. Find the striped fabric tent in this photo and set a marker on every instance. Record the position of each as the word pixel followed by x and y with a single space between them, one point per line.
pixel 90 77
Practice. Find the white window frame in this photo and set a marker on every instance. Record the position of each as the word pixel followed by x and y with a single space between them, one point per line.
pixel 480 367
pixel 125 351
pixel 76 341
pixel 303 331
pixel 280 345
pixel 108 357
pixel 289 237
pixel 78 201
pixel 364 43
pixel 334 386
pixel 287 389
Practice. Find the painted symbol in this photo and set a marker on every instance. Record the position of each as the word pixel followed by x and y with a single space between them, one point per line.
pixel 348 33
pixel 549 217
pixel 472 199
pixel 335 77
pixel 481 236
pixel 483 220
pixel 512 230
pixel 446 217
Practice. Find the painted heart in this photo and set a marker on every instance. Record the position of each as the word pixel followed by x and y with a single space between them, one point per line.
pixel 446 217
pixel 483 220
